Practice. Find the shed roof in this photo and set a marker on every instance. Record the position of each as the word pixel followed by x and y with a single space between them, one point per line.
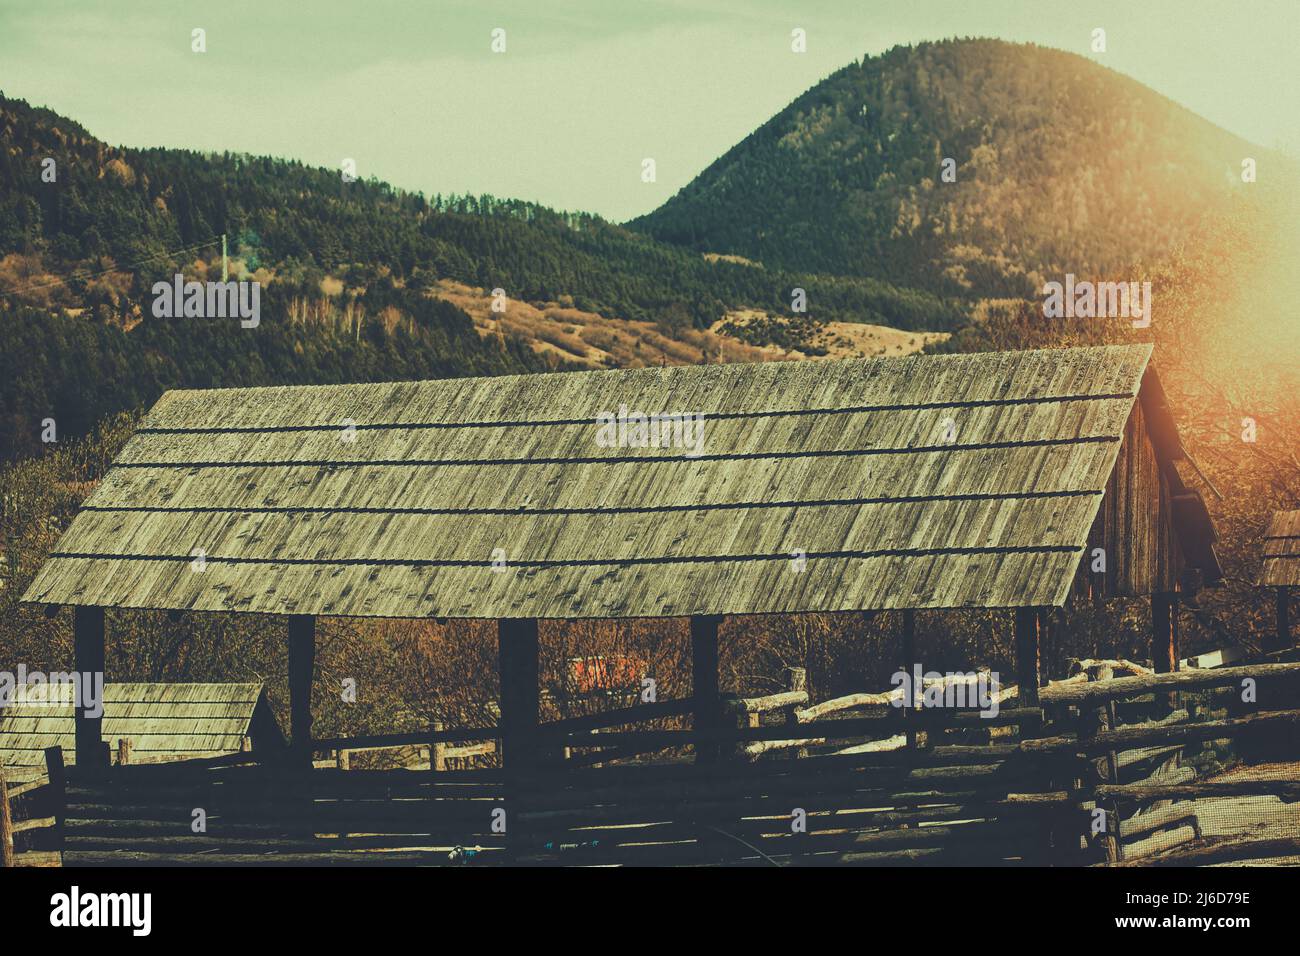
pixel 1282 551
pixel 927 481
pixel 162 721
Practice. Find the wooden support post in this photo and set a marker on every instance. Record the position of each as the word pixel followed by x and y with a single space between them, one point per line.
pixel 1282 639
pixel 123 751
pixel 302 666
pixel 909 660
pixel 54 769
pixel 704 683
pixel 520 694
pixel 6 824
pixel 88 661
pixel 517 653
pixel 1028 655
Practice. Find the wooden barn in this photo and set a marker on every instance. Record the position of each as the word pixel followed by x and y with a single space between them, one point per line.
pixel 1281 569
pixel 153 723
pixel 1001 480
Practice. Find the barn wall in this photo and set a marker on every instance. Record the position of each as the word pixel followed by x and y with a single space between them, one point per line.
pixel 1134 524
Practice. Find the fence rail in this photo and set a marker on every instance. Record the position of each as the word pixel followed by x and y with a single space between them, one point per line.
pixel 1068 784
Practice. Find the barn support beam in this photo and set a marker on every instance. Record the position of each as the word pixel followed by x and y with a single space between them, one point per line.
pixel 1164 632
pixel 517 654
pixel 302 667
pixel 704 683
pixel 1029 668
pixel 1282 639
pixel 88 662
pixel 908 651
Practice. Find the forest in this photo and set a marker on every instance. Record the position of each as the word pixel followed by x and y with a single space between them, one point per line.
pixel 80 252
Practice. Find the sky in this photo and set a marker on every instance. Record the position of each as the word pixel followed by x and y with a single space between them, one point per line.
pixel 585 90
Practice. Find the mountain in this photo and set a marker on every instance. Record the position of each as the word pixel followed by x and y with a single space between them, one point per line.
pixel 360 281
pixel 1061 165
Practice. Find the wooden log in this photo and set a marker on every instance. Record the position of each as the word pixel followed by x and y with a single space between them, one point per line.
pixel 1094 666
pixel 760 705
pixel 302 665
pixel 1160 841
pixel 615 718
pixel 1222 850
pixel 88 657
pixel 1287 790
pixel 1028 654
pixel 1124 687
pixel 1127 737
pixel 1175 814
pixel 416 738
pixel 704 686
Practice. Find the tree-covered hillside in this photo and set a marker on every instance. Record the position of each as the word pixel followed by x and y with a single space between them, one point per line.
pixel 1060 165
pixel 348 271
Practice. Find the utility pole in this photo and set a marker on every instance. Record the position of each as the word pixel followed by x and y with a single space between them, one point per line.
pixel 225 263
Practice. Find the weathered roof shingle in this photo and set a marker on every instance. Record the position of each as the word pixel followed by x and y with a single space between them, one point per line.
pixel 1282 551
pixel 927 481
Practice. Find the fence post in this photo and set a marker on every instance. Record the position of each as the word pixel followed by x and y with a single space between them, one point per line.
pixel 6 824
pixel 796 679
pixel 1092 721
pixel 437 749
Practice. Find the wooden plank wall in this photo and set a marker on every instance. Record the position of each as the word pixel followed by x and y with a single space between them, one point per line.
pixel 1134 524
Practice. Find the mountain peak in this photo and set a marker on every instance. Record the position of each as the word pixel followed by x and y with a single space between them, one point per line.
pixel 969 167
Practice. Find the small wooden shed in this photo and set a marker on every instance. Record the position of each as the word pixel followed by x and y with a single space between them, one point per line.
pixel 1281 570
pixel 966 481
pixel 160 722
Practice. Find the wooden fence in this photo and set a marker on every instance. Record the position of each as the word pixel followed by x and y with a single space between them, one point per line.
pixel 1094 775
pixel 32 816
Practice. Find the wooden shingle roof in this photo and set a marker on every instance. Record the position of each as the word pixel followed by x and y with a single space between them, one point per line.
pixel 926 481
pixel 162 721
pixel 1282 551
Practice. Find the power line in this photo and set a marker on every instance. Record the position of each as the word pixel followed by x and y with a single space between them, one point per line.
pixel 130 265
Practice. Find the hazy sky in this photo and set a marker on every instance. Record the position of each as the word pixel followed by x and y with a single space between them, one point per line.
pixel 586 89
